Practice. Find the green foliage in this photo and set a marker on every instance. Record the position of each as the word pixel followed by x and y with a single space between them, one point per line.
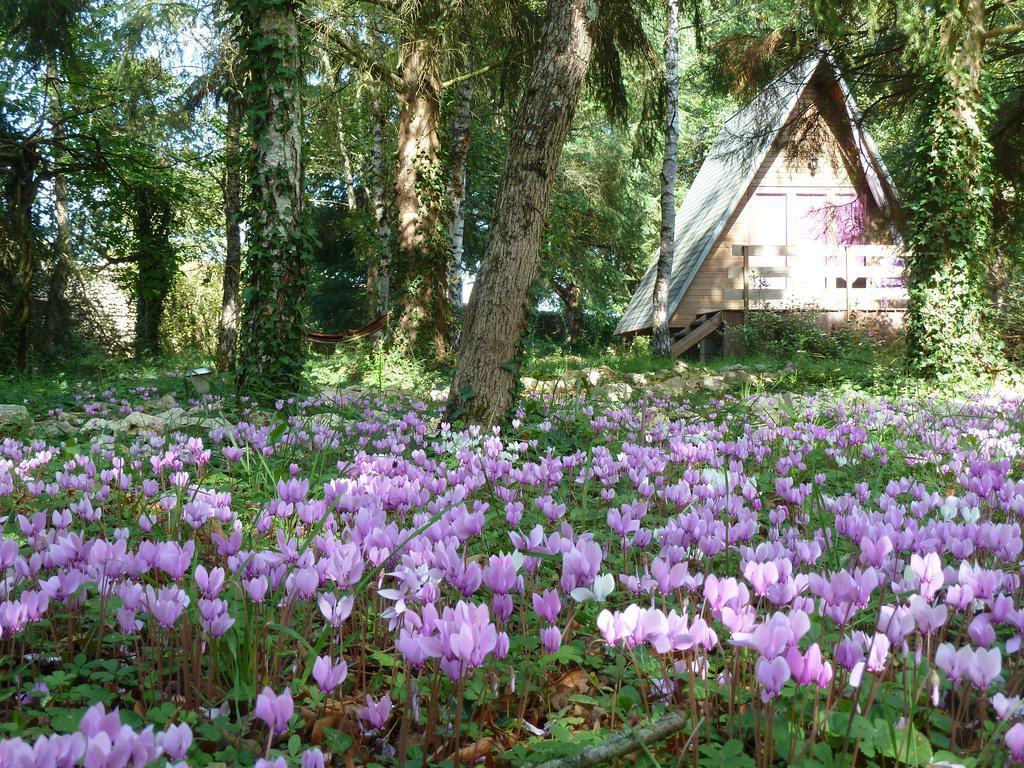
pixel 192 310
pixel 784 333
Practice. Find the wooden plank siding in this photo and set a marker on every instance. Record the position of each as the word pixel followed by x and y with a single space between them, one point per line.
pixel 812 132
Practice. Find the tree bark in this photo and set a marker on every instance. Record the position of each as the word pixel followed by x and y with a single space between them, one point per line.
pixel 58 314
pixel 382 282
pixel 21 190
pixel 669 167
pixel 482 390
pixel 278 237
pixel 227 337
pixel 346 166
pixel 418 198
pixel 461 128
pixel 154 260
pixel 570 296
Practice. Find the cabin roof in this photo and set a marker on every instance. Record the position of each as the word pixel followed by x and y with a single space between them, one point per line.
pixel 734 159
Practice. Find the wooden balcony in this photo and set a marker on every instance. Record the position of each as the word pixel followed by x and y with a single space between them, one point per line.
pixel 852 278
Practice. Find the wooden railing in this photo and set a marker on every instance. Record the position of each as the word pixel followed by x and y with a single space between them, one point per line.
pixel 833 278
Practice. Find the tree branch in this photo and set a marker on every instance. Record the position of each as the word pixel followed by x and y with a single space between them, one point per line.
pixel 377 69
pixel 626 742
pixel 1009 29
pixel 477 72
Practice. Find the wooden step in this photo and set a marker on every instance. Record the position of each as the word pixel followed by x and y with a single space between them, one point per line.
pixel 698 334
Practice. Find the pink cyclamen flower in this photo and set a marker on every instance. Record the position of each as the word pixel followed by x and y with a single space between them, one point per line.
pixel 1015 741
pixel 312 758
pixel 547 605
pixel 1006 707
pixel 175 741
pixel 275 710
pixel 376 713
pixel 335 609
pixel 772 674
pixel 928 570
pixel 550 639
pixel 328 673
pixel 985 666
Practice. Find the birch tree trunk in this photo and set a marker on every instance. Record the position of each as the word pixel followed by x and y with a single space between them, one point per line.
pixel 457 187
pixel 669 167
pixel 383 277
pixel 346 167
pixel 227 337
pixel 419 191
pixel 278 238
pixel 483 387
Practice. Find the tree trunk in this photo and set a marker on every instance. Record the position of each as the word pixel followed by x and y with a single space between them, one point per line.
pixel 278 237
pixel 669 166
pixel 21 190
pixel 570 296
pixel 346 166
pixel 951 215
pixel 418 197
pixel 154 259
pixel 482 390
pixel 58 314
pixel 227 337
pixel 457 187
pixel 382 282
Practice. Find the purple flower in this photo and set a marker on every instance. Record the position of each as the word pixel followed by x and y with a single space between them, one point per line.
pixel 312 758
pixel 175 741
pixel 376 713
pixel 210 582
pixel 1015 741
pixel 256 588
pixel 275 710
pixel 335 609
pixel 547 605
pixel 329 674
pixel 985 666
pixel 550 639
pixel 772 674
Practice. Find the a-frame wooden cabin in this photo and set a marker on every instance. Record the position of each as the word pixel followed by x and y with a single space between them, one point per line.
pixel 792 208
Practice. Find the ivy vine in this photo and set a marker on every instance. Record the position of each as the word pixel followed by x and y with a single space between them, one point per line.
pixel 279 238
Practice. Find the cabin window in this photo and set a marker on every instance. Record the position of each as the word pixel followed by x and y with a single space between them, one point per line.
pixel 810 217
pixel 850 220
pixel 768 222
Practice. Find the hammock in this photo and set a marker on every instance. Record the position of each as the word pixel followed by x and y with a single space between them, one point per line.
pixel 348 336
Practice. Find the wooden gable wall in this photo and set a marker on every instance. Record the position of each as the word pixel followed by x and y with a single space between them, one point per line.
pixel 783 203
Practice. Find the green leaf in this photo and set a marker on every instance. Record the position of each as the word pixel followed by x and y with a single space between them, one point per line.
pixel 907 745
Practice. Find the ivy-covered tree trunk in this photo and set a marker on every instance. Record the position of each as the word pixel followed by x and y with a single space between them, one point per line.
pixel 457 187
pixel 154 261
pixel 484 384
pixel 227 337
pixel 58 311
pixel 669 167
pixel 382 283
pixel 278 238
pixel 419 196
pixel 951 211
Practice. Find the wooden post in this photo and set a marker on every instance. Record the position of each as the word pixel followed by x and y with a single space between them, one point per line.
pixel 846 266
pixel 746 284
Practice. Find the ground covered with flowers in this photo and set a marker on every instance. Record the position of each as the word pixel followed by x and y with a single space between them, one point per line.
pixel 347 580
